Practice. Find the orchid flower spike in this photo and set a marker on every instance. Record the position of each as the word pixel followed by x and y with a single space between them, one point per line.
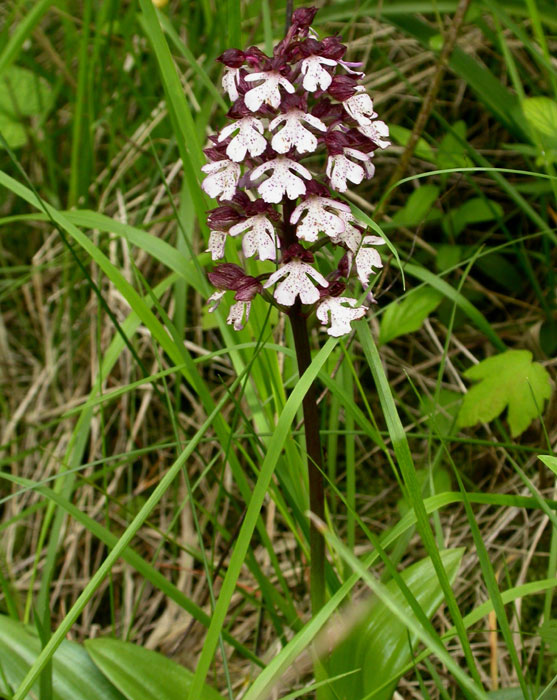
pixel 277 197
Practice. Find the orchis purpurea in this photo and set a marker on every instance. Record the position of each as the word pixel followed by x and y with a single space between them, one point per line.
pixel 287 107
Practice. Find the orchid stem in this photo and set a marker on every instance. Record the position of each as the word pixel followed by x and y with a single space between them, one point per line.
pixel 313 441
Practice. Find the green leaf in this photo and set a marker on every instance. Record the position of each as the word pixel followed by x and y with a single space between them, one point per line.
pixel 550 462
pixel 380 644
pixel 23 93
pixel 141 674
pixel 418 207
pixel 541 115
pixel 452 150
pixel 402 136
pixel 448 255
pixel 74 675
pixel 474 211
pixel 12 131
pixel 408 315
pixel 510 380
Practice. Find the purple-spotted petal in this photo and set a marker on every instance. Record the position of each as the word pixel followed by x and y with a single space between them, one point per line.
pixel 222 179
pixel 297 282
pixel 217 239
pixel 282 181
pixel 259 237
pixel 315 76
pixel 319 218
pixel 338 312
pixel 267 92
pixel 367 258
pixel 239 314
pixel 248 139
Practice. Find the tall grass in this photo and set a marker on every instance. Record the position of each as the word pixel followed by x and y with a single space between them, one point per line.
pixel 153 463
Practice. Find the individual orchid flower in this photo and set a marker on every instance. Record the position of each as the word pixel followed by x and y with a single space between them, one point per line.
pixel 351 236
pixel 267 92
pixel 377 131
pixel 341 169
pixel 360 107
pixel 294 134
pixel 322 215
pixel 368 258
pixel 297 283
pixel 222 179
pixel 315 76
pixel 249 139
pixel 259 237
pixel 282 180
pixel 338 312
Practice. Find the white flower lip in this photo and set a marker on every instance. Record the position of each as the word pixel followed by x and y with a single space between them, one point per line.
pixel 315 76
pixel 377 131
pixel 294 134
pixel 217 239
pixel 297 283
pixel 249 138
pixel 222 179
pixel 360 107
pixel 268 91
pixel 339 312
pixel 318 218
pixel 367 258
pixel 259 237
pixel 282 180
pixel 230 81
pixel 239 314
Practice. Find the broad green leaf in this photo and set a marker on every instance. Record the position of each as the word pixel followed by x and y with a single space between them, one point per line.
pixel 509 380
pixel 448 255
pixel 501 271
pixel 474 211
pixel 406 316
pixel 378 647
pixel 541 115
pixel 550 462
pixel 418 207
pixel 142 674
pixel 74 675
pixel 23 93
pixel 12 131
pixel 402 136
pixel 452 150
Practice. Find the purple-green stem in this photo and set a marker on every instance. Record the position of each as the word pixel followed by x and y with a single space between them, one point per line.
pixel 311 430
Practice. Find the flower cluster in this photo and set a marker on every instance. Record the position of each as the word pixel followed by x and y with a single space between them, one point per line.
pixel 285 108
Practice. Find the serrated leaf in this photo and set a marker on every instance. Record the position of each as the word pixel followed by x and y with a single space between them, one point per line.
pixel 550 462
pixel 402 136
pixel 378 647
pixel 74 676
pixel 23 93
pixel 509 380
pixel 418 206
pixel 408 315
pixel 142 674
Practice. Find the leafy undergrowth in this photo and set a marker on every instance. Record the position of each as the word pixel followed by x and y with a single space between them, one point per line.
pixel 136 429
